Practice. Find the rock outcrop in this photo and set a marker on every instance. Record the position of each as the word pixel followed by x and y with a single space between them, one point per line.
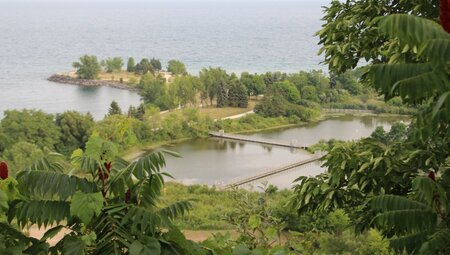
pixel 89 83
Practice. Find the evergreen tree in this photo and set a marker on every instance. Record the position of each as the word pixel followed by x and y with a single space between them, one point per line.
pixel 242 100
pixel 131 66
pixel 140 112
pixel 144 67
pixel 114 109
pixel 222 94
pixel 156 64
pixel 131 111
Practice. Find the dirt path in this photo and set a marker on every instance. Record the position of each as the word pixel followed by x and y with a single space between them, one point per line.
pixel 194 235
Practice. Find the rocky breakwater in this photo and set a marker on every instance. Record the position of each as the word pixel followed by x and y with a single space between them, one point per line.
pixel 65 79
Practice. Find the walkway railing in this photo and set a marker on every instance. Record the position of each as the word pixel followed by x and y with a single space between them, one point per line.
pixel 273 171
pixel 292 144
pixel 348 110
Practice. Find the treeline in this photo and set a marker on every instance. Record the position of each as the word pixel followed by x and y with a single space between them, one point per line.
pixel 301 94
pixel 89 67
pixel 28 135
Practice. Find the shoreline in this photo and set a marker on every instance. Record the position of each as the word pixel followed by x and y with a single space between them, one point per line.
pixel 136 152
pixel 65 79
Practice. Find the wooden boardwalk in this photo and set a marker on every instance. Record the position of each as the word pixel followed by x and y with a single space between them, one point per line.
pixel 273 172
pixel 347 110
pixel 292 144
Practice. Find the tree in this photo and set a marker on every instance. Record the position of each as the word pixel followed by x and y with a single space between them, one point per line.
pixel 272 106
pixel 184 89
pixel 131 66
pixel 152 90
pixel 254 83
pixel 222 94
pixel 310 93
pixel 156 64
pixel 35 127
pixel 144 67
pixel 287 90
pixel 211 78
pixel 110 208
pixel 403 187
pixel 114 109
pixel 88 67
pixel 346 21
pixel 237 94
pixel 113 64
pixel 21 155
pixel 76 128
pixel 176 67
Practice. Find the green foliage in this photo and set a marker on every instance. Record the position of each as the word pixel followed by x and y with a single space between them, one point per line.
pixel 350 32
pixel 112 64
pixel 237 94
pixel 156 64
pixel 153 91
pixel 114 109
pixel 112 210
pixel 254 83
pixel 75 130
pixel 222 94
pixel 20 155
pixel 176 67
pixel 211 79
pixel 88 67
pixel 86 205
pixel 30 126
pixel 419 225
pixel 184 89
pixel 378 180
pixel 131 66
pixel 287 90
pixel 356 172
pixel 143 67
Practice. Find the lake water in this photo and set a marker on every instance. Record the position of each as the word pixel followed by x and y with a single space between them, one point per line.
pixel 217 161
pixel 39 38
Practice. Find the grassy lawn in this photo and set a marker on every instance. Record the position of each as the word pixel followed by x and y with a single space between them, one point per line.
pixel 219 113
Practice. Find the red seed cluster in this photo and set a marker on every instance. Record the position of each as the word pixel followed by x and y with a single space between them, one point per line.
pixel 431 175
pixel 445 14
pixel 128 196
pixel 104 175
pixel 4 170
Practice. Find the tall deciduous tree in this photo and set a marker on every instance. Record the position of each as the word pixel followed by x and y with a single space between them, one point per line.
pixel 211 78
pixel 254 84
pixel 176 67
pixel 75 130
pixel 152 88
pixel 30 126
pixel 88 67
pixel 112 64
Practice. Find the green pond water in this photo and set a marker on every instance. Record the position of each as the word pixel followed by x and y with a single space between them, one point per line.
pixel 214 161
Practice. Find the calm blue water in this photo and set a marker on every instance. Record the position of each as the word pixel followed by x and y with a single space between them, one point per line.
pixel 40 38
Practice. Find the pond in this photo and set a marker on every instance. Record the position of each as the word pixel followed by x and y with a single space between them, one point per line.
pixel 214 161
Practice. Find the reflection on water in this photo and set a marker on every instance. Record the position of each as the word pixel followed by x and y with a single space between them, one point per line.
pixel 344 127
pixel 220 161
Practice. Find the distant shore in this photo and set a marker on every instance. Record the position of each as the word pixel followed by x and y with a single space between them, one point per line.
pixel 66 79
